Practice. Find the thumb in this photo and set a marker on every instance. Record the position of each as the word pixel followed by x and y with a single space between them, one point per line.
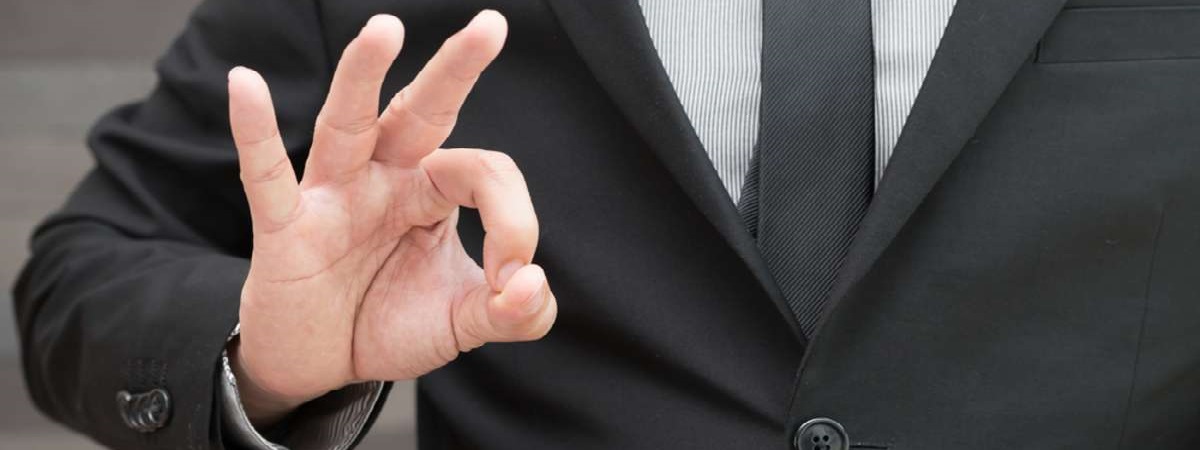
pixel 524 311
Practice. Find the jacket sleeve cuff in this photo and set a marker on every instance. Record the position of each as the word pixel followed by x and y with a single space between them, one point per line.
pixel 336 421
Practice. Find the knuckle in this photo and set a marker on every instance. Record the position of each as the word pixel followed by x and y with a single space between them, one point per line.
pixel 440 119
pixel 246 142
pixel 464 77
pixel 519 231
pixel 401 106
pixel 353 126
pixel 465 72
pixel 497 166
pixel 465 328
pixel 426 210
pixel 468 339
pixel 446 352
pixel 275 171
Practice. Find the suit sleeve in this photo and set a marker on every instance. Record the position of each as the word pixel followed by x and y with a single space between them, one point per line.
pixel 132 287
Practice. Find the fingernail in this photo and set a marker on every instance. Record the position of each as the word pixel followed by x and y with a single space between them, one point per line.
pixel 534 302
pixel 379 18
pixel 506 273
pixel 483 13
pixel 236 69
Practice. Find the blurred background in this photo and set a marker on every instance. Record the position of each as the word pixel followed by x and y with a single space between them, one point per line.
pixel 62 64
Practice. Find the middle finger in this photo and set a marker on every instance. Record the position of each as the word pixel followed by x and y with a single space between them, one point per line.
pixel 421 116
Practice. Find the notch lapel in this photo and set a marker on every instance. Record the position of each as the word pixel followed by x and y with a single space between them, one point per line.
pixel 984 45
pixel 612 39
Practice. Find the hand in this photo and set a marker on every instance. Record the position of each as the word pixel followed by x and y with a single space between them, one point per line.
pixel 357 271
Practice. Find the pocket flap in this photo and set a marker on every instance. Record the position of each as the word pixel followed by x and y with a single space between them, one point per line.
pixel 1122 34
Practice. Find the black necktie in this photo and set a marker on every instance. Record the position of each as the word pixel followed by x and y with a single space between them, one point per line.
pixel 812 175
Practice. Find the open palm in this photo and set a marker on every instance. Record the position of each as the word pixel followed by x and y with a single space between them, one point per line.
pixel 357 271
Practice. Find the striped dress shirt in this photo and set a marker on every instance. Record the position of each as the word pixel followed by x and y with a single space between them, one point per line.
pixel 711 50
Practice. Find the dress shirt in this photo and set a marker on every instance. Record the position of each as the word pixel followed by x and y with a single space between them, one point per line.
pixel 711 50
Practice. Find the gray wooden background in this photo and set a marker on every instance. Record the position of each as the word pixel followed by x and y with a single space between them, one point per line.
pixel 62 64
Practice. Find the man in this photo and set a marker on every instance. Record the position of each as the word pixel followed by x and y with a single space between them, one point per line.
pixel 727 273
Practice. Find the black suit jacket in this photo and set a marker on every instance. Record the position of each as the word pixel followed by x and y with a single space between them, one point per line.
pixel 1026 276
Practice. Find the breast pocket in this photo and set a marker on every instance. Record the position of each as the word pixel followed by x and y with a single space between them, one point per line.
pixel 1122 34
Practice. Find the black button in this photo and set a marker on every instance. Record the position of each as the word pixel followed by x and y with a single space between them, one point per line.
pixel 146 411
pixel 821 434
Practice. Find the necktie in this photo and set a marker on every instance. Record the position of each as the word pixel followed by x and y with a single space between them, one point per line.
pixel 812 174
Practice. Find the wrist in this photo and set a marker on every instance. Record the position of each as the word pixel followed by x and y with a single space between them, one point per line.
pixel 263 406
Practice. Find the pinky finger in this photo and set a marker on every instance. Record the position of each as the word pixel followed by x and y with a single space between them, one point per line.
pixel 267 174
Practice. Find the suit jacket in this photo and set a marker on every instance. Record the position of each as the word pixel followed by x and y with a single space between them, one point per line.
pixel 1025 276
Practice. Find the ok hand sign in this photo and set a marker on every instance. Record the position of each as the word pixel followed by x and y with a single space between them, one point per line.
pixel 357 271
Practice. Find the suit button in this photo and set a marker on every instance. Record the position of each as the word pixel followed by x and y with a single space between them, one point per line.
pixel 144 412
pixel 821 434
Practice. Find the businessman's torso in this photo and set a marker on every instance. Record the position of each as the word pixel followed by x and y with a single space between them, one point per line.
pixel 1024 280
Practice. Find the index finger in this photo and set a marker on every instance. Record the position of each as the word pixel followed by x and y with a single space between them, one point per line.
pixel 421 116
pixel 490 182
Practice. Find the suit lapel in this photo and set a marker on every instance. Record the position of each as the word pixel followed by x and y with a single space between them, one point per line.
pixel 612 38
pixel 985 43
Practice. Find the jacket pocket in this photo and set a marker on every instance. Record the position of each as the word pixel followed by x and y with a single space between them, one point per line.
pixel 1122 34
